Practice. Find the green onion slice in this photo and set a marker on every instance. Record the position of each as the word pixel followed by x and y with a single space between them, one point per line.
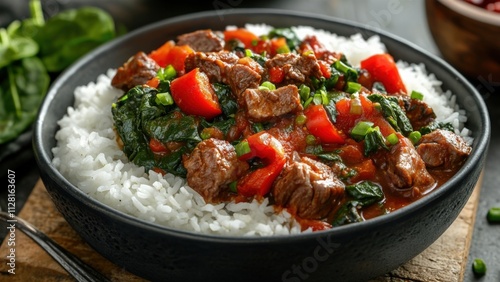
pixel 360 130
pixel 352 87
pixel 479 267
pixel 493 215
pixel 415 137
pixel 392 139
pixel 242 148
pixel 417 95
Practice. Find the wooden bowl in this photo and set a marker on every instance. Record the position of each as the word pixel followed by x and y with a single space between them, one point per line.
pixel 467 37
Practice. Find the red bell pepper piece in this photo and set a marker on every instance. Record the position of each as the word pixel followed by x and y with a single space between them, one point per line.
pixel 248 38
pixel 258 182
pixel 276 75
pixel 171 54
pixel 319 125
pixel 383 69
pixel 194 95
pixel 157 147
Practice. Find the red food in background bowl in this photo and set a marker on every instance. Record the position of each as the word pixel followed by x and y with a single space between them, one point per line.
pixel 467 36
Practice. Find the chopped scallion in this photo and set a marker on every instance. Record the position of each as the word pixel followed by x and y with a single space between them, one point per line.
pixel 392 138
pixel 352 87
pixel 164 99
pixel 310 139
pixel 242 148
pixel 233 186
pixel 479 267
pixel 307 102
pixel 248 53
pixel 417 95
pixel 267 85
pixel 415 137
pixel 205 134
pixel 300 119
pixel 360 130
pixel 304 92
pixel 317 99
pixel 494 215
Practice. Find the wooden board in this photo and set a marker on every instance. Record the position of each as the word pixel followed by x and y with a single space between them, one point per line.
pixel 445 260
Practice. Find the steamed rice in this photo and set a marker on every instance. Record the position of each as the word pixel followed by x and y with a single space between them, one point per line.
pixel 88 155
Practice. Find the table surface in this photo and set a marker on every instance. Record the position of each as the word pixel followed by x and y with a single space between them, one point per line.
pixel 404 18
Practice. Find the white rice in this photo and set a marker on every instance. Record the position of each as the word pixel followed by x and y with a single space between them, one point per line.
pixel 88 156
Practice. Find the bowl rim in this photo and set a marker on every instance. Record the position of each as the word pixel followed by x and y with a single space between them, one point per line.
pixel 45 161
pixel 472 11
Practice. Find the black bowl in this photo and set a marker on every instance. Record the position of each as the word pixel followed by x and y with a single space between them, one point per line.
pixel 353 252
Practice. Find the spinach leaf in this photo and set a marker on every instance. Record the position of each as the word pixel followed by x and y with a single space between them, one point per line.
pixel 72 33
pixel 22 88
pixel 348 213
pixel 374 140
pixel 13 49
pixel 436 125
pixel 226 98
pixel 173 162
pixel 222 124
pixel 170 128
pixel 128 124
pixel 393 113
pixel 365 192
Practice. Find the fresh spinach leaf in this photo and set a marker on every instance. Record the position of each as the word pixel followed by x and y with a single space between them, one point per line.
pixel 436 125
pixel 126 116
pixel 365 192
pixel 393 113
pixel 348 213
pixel 173 162
pixel 170 128
pixel 72 33
pixel 22 87
pixel 226 99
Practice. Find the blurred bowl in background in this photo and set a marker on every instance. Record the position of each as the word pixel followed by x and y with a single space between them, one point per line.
pixel 467 37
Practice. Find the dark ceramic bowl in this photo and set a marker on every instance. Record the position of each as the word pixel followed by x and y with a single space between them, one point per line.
pixel 353 252
pixel 467 37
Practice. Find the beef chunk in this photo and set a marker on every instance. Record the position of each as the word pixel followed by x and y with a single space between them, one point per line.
pixel 136 71
pixel 241 77
pixel 418 112
pixel 213 64
pixel 211 166
pixel 263 104
pixel 444 149
pixel 308 188
pixel 296 68
pixel 202 41
pixel 403 169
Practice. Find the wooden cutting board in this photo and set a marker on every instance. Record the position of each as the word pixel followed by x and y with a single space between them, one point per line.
pixel 445 260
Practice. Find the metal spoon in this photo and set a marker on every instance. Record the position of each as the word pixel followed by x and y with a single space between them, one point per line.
pixel 77 268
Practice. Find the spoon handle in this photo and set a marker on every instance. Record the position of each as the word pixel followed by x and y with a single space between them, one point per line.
pixel 72 264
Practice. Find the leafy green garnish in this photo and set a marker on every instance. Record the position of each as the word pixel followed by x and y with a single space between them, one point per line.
pixel 393 113
pixel 436 125
pixel 31 48
pixel 292 40
pixel 365 192
pixel 70 34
